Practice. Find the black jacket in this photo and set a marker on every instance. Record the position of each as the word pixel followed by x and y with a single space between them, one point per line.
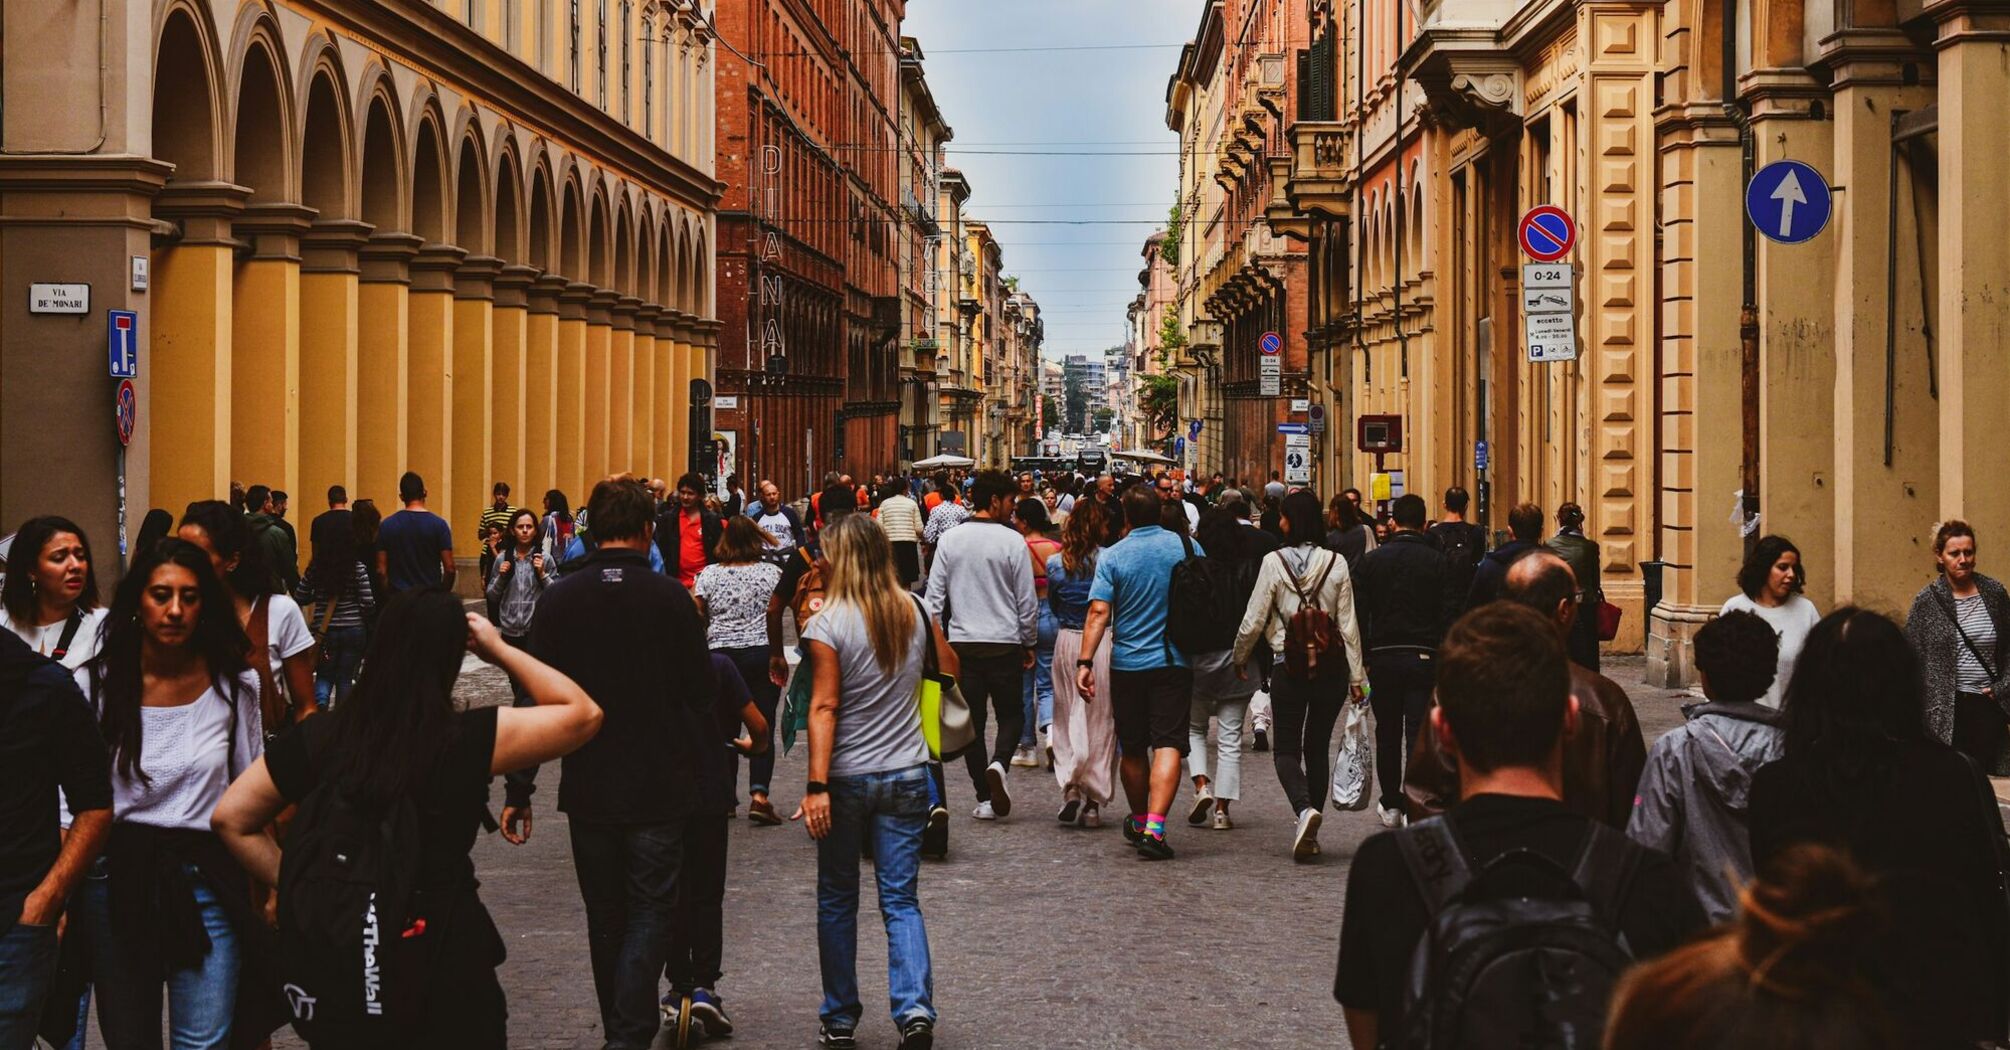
pixel 669 538
pixel 1403 592
pixel 1493 571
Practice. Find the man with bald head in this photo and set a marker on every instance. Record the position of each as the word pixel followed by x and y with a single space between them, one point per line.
pixel 1602 758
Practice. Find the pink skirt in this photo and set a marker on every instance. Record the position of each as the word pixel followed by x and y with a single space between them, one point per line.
pixel 1084 734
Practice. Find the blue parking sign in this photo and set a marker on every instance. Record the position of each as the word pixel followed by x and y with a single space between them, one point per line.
pixel 1789 201
pixel 122 343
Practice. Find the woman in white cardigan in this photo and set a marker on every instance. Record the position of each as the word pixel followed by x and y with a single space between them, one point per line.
pixel 1306 708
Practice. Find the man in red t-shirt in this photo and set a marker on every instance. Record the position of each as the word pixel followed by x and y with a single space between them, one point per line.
pixel 686 532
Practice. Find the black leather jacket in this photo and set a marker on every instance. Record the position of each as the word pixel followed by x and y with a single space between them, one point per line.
pixel 1403 592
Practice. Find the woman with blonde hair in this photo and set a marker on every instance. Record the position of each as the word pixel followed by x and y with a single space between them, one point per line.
pixel 868 776
pixel 1084 735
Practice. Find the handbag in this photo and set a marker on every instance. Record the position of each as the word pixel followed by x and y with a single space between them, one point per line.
pixel 945 715
pixel 795 717
pixel 1608 620
pixel 1354 767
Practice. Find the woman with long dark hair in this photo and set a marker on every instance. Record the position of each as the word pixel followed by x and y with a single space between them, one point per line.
pixel 337 584
pixel 272 622
pixel 1220 694
pixel 398 737
pixel 365 519
pixel 1037 689
pixel 179 709
pixel 1348 530
pixel 1862 774
pixel 1769 586
pixel 1084 734
pixel 50 596
pixel 557 528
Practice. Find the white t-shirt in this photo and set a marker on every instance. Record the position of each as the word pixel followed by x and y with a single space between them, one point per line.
pixel 43 640
pixel 878 725
pixel 1791 622
pixel 286 634
pixel 189 757
pixel 775 524
pixel 736 603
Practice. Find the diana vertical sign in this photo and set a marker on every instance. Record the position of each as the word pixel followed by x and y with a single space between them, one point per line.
pixel 773 349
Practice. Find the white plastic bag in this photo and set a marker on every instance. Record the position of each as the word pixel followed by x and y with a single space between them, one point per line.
pixel 1354 767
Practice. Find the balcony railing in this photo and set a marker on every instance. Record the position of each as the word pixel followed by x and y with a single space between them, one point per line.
pixel 1320 156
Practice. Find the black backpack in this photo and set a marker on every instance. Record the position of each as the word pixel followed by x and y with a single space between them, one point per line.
pixel 1206 600
pixel 1499 969
pixel 1463 544
pixel 354 947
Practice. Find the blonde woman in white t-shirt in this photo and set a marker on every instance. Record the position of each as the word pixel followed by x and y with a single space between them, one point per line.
pixel 50 596
pixel 179 710
pixel 270 619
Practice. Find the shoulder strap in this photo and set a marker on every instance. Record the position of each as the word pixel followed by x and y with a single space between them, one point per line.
pixel 328 612
pixel 930 666
pixel 259 627
pixel 75 623
pixel 1431 851
pixel 1947 606
pixel 1604 870
pixel 1331 557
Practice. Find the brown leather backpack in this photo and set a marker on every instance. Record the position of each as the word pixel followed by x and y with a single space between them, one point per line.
pixel 1312 647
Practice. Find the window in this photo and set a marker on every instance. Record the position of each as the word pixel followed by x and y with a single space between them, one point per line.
pixel 573 66
pixel 625 39
pixel 600 41
pixel 649 76
pixel 474 14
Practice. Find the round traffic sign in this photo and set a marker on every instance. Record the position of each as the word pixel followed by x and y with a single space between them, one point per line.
pixel 126 410
pixel 1788 201
pixel 1271 344
pixel 1547 234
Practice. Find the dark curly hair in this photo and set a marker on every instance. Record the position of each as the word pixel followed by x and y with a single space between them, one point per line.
pixel 1740 654
pixel 1759 564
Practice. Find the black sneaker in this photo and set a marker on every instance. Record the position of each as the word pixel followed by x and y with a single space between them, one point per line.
pixel 1262 741
pixel 1155 847
pixel 917 1034
pixel 935 836
pixel 1071 811
pixel 1134 830
pixel 837 1039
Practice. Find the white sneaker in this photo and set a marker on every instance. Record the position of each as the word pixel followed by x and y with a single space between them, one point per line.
pixel 984 812
pixel 1024 758
pixel 1391 818
pixel 1203 801
pixel 1221 821
pixel 1001 798
pixel 1305 843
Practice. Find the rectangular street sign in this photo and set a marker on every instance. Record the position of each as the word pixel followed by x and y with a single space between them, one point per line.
pixel 1297 466
pixel 1549 311
pixel 1300 404
pixel 1479 455
pixel 1548 300
pixel 59 298
pixel 1560 347
pixel 1270 375
pixel 122 343
pixel 1294 428
pixel 1549 326
pixel 1297 441
pixel 1547 275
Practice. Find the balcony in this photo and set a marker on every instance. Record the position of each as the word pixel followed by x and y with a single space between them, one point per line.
pixel 1319 183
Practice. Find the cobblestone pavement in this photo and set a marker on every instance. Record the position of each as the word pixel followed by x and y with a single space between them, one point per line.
pixel 1042 935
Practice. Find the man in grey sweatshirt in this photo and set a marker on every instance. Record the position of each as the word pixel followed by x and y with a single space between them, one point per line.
pixel 980 588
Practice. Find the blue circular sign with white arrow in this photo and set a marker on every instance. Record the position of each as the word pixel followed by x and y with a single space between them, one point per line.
pixel 1789 201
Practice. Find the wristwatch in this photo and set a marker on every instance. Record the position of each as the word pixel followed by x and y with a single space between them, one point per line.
pixel 1085 663
pixel 816 787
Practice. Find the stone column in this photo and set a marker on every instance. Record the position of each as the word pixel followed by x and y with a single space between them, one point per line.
pixel 469 378
pixel 646 402
pixel 540 389
pixel 329 341
pixel 187 411
pixel 621 389
pixel 1796 336
pixel 383 351
pixel 265 341
pixel 663 384
pixel 1876 506
pixel 1974 263
pixel 680 390
pixel 506 370
pixel 1699 376
pixel 598 421
pixel 572 470
pixel 429 368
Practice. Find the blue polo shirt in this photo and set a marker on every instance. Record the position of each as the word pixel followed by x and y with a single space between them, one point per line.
pixel 1135 577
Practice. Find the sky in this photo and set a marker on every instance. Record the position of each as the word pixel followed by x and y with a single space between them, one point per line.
pixel 1008 87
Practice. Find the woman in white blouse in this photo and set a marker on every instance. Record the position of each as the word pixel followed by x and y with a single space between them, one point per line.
pixel 271 620
pixel 50 597
pixel 168 907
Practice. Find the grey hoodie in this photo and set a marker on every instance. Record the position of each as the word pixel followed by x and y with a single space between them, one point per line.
pixel 981 585
pixel 1692 799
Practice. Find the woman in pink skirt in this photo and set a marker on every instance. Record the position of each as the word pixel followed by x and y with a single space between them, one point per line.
pixel 1084 735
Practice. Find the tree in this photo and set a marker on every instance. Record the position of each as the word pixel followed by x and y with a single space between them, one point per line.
pixel 1050 412
pixel 1172 336
pixel 1160 402
pixel 1102 418
pixel 1169 250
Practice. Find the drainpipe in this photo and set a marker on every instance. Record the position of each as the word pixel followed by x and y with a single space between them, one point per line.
pixel 1748 310
pixel 1396 284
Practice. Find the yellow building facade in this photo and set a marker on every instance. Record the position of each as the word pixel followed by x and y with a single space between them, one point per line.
pixel 470 240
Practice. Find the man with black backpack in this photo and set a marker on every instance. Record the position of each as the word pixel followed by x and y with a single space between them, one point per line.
pixel 1406 602
pixel 1507 921
pixel 1462 542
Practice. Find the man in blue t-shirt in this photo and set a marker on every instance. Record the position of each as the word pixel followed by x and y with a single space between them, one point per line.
pixel 1151 686
pixel 415 547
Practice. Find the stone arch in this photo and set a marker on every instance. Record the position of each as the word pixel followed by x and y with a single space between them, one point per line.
pixel 327 150
pixel 186 120
pixel 572 225
pixel 471 195
pixel 598 258
pixel 666 271
pixel 624 246
pixel 262 114
pixel 694 273
pixel 383 167
pixel 429 178
pixel 507 230
pixel 543 240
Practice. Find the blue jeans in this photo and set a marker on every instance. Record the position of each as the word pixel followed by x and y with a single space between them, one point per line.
pixel 893 807
pixel 628 879
pixel 752 664
pixel 27 965
pixel 200 999
pixel 335 676
pixel 1038 692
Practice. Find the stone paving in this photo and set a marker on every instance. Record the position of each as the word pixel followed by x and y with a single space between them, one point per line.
pixel 1042 935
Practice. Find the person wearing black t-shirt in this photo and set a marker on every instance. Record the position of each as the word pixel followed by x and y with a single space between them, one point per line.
pixel 399 736
pixel 1504 707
